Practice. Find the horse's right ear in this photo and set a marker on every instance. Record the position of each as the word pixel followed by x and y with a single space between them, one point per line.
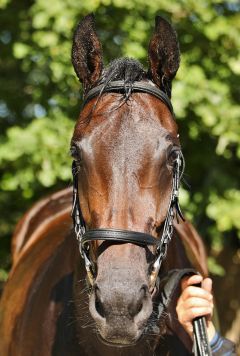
pixel 87 53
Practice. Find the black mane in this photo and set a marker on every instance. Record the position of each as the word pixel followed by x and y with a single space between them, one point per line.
pixel 127 69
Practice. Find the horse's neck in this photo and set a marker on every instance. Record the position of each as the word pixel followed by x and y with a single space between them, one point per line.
pixel 176 255
pixel 186 249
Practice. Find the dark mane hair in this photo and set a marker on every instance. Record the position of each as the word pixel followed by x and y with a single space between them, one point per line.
pixel 127 69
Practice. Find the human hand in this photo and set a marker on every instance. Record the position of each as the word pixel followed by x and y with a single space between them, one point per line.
pixel 195 302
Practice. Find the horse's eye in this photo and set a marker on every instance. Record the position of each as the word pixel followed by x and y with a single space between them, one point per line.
pixel 173 155
pixel 75 153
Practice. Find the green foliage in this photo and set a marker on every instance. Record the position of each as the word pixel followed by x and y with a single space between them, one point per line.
pixel 3 275
pixel 40 98
pixel 226 210
pixel 39 153
pixel 215 268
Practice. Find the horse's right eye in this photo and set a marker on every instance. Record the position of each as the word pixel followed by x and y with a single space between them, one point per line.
pixel 74 152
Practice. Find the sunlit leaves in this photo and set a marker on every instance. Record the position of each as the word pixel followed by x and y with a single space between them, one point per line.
pixel 40 154
pixel 215 268
pixel 20 50
pixel 3 3
pixel 225 210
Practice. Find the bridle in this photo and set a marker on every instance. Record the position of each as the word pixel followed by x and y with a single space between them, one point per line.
pixel 84 236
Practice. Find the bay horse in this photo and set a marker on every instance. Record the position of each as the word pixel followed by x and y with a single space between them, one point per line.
pixel 126 171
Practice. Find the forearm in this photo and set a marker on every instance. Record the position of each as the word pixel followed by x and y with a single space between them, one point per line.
pixel 221 346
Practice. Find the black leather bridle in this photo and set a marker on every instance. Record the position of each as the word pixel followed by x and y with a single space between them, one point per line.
pixel 84 236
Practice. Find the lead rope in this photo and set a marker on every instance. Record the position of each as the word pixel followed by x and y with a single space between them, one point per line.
pixel 201 346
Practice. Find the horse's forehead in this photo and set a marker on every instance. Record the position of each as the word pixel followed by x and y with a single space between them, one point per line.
pixel 142 118
pixel 129 139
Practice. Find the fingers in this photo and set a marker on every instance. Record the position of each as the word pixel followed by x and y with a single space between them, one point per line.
pixel 193 313
pixel 207 284
pixel 195 279
pixel 192 291
pixel 193 307
pixel 195 302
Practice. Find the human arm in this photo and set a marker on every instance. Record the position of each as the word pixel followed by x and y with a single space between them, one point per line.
pixel 194 302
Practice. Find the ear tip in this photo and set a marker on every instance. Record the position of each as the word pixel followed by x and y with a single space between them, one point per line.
pixel 87 20
pixel 87 23
pixel 89 17
pixel 159 20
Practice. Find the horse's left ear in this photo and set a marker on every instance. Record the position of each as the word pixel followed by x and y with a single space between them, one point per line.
pixel 87 53
pixel 163 55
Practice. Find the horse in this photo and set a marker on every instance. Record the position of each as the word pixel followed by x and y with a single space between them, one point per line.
pixel 97 294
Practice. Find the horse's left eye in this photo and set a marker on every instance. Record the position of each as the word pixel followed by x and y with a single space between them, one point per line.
pixel 173 155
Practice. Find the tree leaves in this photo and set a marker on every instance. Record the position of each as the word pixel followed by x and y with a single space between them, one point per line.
pixel 40 154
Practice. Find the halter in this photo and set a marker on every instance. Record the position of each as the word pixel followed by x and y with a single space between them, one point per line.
pixel 84 237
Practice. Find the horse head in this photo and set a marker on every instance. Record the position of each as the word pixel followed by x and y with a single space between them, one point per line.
pixel 124 145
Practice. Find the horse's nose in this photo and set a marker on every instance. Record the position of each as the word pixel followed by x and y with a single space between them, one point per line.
pixel 119 313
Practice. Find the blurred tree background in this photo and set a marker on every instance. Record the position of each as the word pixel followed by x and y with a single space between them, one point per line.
pixel 40 99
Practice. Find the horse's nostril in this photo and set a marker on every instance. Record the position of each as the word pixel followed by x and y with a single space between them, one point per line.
pixel 138 304
pixel 144 290
pixel 98 304
pixel 139 308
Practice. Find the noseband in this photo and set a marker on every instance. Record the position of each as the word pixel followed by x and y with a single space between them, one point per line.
pixel 84 237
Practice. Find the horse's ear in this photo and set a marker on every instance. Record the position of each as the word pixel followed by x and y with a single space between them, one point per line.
pixel 87 52
pixel 163 55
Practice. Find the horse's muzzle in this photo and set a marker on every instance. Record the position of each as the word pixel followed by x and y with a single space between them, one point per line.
pixel 120 315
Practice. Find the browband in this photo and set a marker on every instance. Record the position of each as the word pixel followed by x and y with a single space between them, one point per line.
pixel 119 86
